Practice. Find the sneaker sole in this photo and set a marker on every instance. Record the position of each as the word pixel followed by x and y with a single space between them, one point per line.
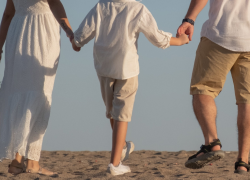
pixel 202 160
pixel 116 174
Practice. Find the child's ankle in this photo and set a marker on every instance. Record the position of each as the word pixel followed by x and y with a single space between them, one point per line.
pixel 115 164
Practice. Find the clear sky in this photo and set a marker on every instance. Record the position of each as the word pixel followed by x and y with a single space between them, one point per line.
pixel 163 118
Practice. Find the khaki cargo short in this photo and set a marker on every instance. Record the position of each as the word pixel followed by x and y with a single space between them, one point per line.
pixel 119 97
pixel 211 67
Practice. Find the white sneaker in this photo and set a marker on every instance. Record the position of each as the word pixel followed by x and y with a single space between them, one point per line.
pixel 125 152
pixel 121 169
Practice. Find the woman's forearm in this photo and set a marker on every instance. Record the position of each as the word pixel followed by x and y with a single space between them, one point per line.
pixel 60 14
pixel 195 8
pixel 6 20
pixel 8 14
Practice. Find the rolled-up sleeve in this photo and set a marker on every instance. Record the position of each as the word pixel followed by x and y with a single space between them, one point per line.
pixel 148 26
pixel 86 30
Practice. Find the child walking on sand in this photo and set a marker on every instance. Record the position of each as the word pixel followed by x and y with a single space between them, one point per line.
pixel 115 25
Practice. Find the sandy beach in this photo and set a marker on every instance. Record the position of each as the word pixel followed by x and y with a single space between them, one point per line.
pixel 150 165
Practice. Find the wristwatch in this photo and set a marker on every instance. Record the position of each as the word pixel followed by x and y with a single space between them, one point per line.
pixel 188 20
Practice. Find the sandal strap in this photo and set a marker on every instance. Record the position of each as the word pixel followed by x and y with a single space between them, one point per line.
pixel 206 149
pixel 215 143
pixel 243 164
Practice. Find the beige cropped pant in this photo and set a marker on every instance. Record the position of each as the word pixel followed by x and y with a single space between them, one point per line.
pixel 119 97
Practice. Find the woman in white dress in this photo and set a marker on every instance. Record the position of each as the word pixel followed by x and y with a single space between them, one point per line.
pixel 31 29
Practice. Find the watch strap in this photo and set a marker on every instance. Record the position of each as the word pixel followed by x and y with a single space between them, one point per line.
pixel 188 20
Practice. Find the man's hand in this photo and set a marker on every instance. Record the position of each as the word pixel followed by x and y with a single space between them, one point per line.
pixel 186 28
pixel 77 49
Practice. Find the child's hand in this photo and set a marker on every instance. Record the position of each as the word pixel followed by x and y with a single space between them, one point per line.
pixel 77 49
pixel 183 39
pixel 179 40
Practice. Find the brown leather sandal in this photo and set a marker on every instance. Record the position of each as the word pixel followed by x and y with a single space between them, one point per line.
pixel 40 172
pixel 22 168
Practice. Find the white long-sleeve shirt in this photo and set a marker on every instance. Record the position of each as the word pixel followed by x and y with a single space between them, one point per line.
pixel 229 24
pixel 115 25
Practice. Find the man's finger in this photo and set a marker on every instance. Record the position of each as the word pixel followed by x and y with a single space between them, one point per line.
pixel 179 31
pixel 190 36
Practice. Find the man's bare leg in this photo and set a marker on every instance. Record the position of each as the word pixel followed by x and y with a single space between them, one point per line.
pixel 243 123
pixel 119 137
pixel 205 111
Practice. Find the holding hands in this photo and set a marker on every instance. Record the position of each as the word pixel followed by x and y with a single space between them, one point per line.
pixel 183 38
pixel 71 39
pixel 184 33
pixel 186 28
pixel 77 49
pixel 179 40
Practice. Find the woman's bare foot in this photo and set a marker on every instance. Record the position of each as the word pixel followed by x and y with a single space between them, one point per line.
pixel 34 167
pixel 41 171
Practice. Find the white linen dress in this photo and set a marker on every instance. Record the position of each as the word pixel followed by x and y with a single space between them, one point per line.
pixel 31 59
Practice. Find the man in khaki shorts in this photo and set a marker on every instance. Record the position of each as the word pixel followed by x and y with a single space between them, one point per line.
pixel 224 47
